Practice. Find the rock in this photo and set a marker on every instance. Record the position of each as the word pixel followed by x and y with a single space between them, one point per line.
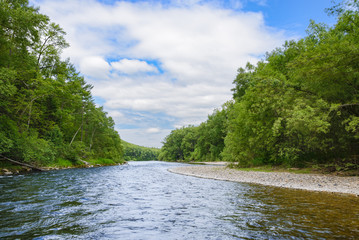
pixel 7 172
pixel 349 185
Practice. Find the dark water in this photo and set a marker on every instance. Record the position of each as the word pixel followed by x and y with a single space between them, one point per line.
pixel 144 201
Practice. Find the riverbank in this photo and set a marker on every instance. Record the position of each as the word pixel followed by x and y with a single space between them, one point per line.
pixel 311 182
pixel 7 168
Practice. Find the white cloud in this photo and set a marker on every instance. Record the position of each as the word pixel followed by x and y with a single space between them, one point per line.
pixel 181 101
pixel 141 137
pixel 95 66
pixel 192 51
pixel 133 66
pixel 117 116
pixel 153 130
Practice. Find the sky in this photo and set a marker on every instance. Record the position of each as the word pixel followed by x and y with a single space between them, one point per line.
pixel 160 65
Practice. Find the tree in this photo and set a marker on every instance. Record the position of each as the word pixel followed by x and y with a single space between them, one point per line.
pixel 300 103
pixel 297 106
pixel 134 152
pixel 47 111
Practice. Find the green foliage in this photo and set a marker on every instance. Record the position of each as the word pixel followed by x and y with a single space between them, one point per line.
pixel 202 143
pixel 134 152
pixel 5 143
pixel 300 104
pixel 46 108
pixel 171 149
pixel 297 107
pixel 211 134
pixel 76 151
pixel 35 150
pixel 7 134
pixel 102 161
pixel 61 163
pixel 7 89
pixel 174 148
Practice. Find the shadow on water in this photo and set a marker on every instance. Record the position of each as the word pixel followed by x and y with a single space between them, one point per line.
pixel 144 201
pixel 288 213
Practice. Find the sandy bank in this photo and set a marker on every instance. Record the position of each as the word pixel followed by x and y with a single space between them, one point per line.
pixel 311 182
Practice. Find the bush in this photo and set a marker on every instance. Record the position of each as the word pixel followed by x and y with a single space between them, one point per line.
pixel 102 161
pixel 35 150
pixel 76 151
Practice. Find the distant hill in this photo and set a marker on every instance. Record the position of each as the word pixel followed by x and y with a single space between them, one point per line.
pixel 133 152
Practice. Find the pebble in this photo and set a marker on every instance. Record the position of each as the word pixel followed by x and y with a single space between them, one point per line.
pixel 311 182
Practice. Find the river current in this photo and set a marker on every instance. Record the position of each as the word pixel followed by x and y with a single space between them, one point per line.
pixel 142 200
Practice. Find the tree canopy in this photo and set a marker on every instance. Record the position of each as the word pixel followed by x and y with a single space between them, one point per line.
pixel 133 152
pixel 47 112
pixel 298 105
pixel 200 143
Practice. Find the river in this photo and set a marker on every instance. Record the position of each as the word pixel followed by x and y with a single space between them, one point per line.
pixel 143 200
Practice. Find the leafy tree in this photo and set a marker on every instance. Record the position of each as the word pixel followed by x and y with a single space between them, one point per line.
pixel 134 152
pixel 300 103
pixel 197 143
pixel 47 111
pixel 172 146
pixel 298 106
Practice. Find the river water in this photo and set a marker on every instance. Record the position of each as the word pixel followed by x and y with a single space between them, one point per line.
pixel 143 200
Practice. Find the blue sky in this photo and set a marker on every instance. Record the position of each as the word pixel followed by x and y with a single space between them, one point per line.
pixel 293 15
pixel 159 65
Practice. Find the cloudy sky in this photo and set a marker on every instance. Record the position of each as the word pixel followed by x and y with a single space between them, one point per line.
pixel 159 65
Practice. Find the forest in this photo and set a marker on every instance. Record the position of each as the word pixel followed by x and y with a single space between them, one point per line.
pixel 133 152
pixel 47 113
pixel 297 107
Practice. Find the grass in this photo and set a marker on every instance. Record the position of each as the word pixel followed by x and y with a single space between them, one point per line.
pixel 62 163
pixel 268 168
pixel 315 169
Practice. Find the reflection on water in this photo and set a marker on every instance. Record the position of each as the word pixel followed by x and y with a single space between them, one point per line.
pixel 144 201
pixel 297 213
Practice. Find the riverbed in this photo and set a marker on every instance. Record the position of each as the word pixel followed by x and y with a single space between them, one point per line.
pixel 142 200
pixel 310 182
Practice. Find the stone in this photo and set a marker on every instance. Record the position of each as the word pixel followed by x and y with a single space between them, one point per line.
pixel 7 172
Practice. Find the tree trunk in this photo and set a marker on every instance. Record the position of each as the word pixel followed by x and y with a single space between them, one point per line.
pixel 30 111
pixel 28 120
pixel 73 138
pixel 23 164
pixel 91 142
pixel 82 122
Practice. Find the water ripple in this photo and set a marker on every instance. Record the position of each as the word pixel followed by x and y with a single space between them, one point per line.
pixel 144 201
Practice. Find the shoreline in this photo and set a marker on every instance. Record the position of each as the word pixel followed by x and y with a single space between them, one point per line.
pixel 309 182
pixel 6 171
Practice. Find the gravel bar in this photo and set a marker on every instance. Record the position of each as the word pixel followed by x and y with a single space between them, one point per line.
pixel 311 182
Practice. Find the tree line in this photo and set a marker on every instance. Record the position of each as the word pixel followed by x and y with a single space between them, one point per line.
pixel 197 143
pixel 47 112
pixel 133 152
pixel 297 106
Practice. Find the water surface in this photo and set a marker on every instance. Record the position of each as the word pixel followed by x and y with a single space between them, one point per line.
pixel 143 200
